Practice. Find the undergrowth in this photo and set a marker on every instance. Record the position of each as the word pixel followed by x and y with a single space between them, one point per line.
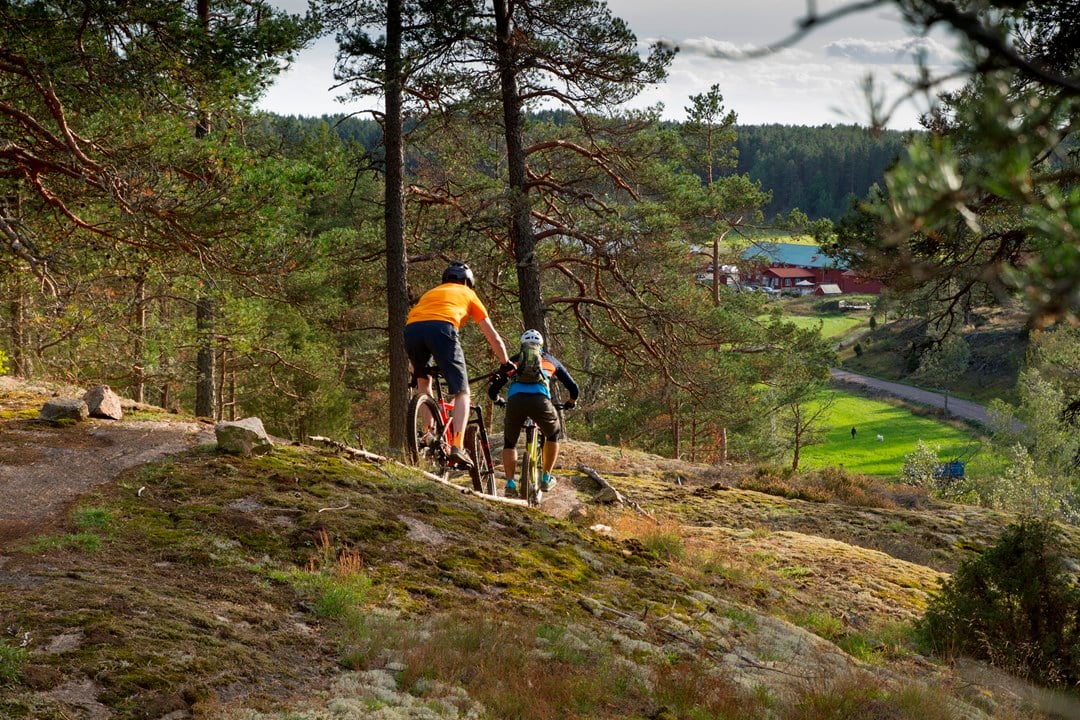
pixel 835 485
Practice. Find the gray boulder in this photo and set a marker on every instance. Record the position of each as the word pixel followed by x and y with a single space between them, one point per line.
pixel 64 409
pixel 103 403
pixel 243 437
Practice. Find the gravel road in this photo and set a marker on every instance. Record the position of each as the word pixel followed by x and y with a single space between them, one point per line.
pixel 961 408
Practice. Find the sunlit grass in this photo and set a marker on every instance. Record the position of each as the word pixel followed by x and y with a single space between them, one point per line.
pixel 831 325
pixel 11 661
pixel 901 432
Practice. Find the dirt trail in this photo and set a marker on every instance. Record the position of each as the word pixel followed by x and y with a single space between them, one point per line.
pixel 45 468
pixel 961 408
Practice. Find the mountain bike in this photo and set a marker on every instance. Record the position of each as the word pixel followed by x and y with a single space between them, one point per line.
pixel 532 460
pixel 427 434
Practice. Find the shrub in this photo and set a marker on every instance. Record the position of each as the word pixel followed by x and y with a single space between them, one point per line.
pixel 1015 606
pixel 920 465
pixel 11 662
pixel 858 350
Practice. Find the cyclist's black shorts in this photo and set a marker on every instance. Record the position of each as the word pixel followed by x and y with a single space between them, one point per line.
pixel 530 405
pixel 439 339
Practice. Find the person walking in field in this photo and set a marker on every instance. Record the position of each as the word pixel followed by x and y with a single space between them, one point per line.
pixel 529 396
pixel 431 331
pixel 852 433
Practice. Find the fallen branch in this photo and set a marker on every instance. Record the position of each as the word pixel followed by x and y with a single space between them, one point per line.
pixel 379 459
pixel 610 494
pixel 348 449
pixel 468 490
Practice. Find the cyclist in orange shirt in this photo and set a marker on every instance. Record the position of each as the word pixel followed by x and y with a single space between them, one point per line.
pixel 431 331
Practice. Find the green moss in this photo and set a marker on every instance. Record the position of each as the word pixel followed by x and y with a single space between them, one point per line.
pixel 84 542
pixel 19 414
pixel 86 518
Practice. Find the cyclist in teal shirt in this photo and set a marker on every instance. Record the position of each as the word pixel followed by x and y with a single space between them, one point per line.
pixel 532 400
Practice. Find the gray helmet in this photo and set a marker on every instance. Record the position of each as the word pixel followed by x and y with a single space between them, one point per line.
pixel 532 336
pixel 459 272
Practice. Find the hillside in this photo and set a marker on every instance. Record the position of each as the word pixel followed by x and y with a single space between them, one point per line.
pixel 304 585
pixel 997 338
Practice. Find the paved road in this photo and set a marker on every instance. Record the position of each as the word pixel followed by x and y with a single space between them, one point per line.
pixel 961 408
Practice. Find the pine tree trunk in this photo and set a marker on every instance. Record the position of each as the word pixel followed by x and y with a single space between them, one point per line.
pixel 521 235
pixel 140 340
pixel 397 291
pixel 165 359
pixel 204 361
pixel 204 306
pixel 20 358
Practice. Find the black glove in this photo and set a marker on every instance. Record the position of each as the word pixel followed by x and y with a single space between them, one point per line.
pixel 569 404
pixel 506 368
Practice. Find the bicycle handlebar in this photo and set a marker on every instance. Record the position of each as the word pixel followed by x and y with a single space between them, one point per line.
pixel 434 371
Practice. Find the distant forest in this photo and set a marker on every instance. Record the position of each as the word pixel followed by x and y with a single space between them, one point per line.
pixel 814 169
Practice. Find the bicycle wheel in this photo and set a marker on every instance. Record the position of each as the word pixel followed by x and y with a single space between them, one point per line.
pixel 424 431
pixel 534 478
pixel 527 484
pixel 481 473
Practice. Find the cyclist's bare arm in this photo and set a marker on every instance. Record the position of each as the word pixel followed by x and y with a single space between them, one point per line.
pixel 494 340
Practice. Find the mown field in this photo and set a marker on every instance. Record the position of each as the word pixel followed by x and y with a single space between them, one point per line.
pixel 901 431
pixel 832 325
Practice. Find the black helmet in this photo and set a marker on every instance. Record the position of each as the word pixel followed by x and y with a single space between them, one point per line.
pixel 458 272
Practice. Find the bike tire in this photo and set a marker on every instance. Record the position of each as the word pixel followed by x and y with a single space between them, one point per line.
pixel 535 495
pixel 481 473
pixel 423 449
pixel 527 485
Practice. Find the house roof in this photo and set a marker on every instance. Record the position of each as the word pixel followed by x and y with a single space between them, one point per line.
pixel 807 256
pixel 788 272
pixel 830 289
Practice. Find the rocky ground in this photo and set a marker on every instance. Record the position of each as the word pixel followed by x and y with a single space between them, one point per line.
pixel 145 575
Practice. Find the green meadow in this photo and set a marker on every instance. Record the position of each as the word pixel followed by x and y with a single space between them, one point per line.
pixel 831 325
pixel 900 429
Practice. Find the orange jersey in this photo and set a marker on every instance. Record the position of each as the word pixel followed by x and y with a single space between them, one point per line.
pixel 449 302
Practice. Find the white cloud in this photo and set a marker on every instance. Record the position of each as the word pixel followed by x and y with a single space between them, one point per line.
pixel 814 82
pixel 892 52
pixel 794 86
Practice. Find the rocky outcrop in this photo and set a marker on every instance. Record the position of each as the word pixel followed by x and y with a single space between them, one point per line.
pixel 64 409
pixel 243 437
pixel 103 403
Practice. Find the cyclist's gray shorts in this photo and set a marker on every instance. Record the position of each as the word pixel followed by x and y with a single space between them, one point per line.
pixel 530 405
pixel 436 339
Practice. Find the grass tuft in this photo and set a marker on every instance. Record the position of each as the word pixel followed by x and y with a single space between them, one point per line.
pixel 12 660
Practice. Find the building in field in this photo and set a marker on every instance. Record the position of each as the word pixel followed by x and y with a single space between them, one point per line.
pixel 785 265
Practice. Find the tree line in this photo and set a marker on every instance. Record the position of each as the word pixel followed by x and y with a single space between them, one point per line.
pixel 818 170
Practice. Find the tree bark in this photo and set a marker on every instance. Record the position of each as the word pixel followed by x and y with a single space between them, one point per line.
pixel 21 365
pixel 397 292
pixel 140 339
pixel 164 358
pixel 204 306
pixel 204 361
pixel 522 238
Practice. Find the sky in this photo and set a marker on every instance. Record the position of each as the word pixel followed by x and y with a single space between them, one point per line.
pixel 816 81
